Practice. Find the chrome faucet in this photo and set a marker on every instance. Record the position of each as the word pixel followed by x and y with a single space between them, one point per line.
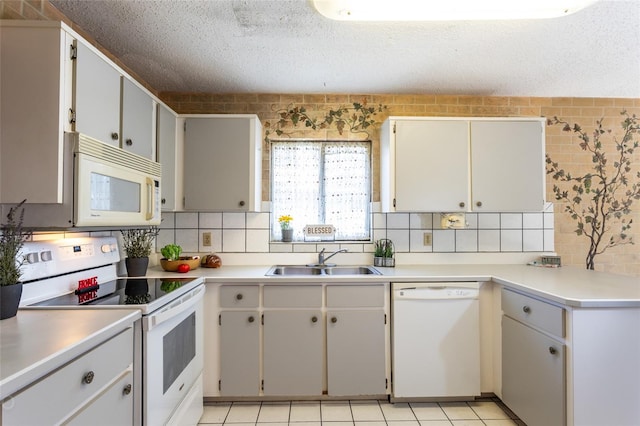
pixel 322 258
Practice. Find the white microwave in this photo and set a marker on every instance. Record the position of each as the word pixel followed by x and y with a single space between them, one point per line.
pixel 104 186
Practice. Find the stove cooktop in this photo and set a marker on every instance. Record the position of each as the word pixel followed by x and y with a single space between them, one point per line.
pixel 125 292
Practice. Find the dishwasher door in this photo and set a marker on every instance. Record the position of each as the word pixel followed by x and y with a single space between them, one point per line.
pixel 435 340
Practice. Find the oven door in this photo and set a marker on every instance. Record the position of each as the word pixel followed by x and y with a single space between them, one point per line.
pixel 172 355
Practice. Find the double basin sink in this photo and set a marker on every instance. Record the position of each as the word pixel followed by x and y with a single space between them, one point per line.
pixel 306 270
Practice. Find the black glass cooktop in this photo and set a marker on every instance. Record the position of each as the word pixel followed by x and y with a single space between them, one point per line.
pixel 125 291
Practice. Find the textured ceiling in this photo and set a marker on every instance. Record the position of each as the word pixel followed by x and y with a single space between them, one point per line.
pixel 285 46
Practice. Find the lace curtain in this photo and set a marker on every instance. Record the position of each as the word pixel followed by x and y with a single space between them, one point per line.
pixel 322 183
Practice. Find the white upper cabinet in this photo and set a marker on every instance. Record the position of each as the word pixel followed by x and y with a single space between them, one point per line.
pixel 96 101
pixel 462 164
pixel 507 165
pixel 35 76
pixel 170 155
pixel 53 82
pixel 138 119
pixel 222 162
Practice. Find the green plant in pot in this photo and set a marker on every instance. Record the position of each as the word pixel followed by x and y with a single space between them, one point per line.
pixel 383 253
pixel 11 242
pixel 137 244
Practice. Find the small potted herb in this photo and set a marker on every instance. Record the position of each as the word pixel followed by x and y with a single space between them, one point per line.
pixel 11 242
pixel 138 243
pixel 383 253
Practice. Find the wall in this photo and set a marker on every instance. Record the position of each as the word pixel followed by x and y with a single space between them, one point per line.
pixel 561 147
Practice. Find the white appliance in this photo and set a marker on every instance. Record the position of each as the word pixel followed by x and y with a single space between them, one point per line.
pixel 435 340
pixel 168 354
pixel 103 186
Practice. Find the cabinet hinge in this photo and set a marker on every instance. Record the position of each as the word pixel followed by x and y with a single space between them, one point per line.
pixel 386 383
pixel 385 319
pixel 262 319
pixel 184 126
pixel 219 319
pixel 262 385
pixel 73 52
pixel 394 202
pixel 394 127
pixel 72 116
pixel 219 385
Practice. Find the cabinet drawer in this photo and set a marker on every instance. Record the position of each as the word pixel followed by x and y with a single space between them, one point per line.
pixel 531 311
pixel 281 296
pixel 354 296
pixel 65 390
pixel 239 296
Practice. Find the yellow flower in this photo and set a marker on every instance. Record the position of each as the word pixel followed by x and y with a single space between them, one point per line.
pixel 285 221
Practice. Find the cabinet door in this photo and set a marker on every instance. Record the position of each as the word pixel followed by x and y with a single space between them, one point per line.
pixel 170 157
pixel 220 163
pixel 356 352
pixel 533 375
pixel 97 97
pixel 431 165
pixel 293 350
pixel 239 353
pixel 113 407
pixel 137 120
pixel 507 163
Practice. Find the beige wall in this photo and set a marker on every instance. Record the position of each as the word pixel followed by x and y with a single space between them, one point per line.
pixel 561 146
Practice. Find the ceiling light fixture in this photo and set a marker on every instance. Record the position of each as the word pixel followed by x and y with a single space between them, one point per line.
pixel 446 10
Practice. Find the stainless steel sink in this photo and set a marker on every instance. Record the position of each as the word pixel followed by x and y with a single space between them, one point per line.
pixel 284 270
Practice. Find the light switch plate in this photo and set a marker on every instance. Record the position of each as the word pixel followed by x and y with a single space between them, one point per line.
pixel 427 239
pixel 206 239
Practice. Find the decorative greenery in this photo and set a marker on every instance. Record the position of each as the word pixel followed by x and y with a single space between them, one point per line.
pixel 139 242
pixel 11 241
pixel 383 248
pixel 355 119
pixel 600 199
pixel 285 221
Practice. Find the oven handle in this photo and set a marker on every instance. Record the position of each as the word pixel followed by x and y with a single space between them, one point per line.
pixel 174 309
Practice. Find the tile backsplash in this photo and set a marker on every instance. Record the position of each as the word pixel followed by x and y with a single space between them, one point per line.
pixel 482 233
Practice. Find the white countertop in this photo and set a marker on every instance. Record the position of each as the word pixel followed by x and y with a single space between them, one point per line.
pixel 567 285
pixel 35 342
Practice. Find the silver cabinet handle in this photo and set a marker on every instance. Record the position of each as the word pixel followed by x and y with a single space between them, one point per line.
pixel 552 350
pixel 88 378
pixel 526 309
pixel 127 389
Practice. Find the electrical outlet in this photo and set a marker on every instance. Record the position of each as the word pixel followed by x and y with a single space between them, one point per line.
pixel 427 239
pixel 206 239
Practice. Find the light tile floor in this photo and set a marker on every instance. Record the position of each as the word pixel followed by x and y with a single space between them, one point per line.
pixel 485 412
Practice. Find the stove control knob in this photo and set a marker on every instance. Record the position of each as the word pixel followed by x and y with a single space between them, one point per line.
pixel 46 256
pixel 32 258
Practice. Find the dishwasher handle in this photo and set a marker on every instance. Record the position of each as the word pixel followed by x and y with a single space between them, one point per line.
pixel 436 293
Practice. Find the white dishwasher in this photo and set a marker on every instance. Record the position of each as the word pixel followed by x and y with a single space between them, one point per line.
pixel 435 340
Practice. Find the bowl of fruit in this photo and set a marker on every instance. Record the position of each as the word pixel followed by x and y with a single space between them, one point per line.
pixel 173 262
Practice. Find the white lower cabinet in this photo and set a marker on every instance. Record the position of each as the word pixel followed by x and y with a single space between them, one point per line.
pixel 239 353
pixel 533 359
pixel 95 388
pixel 293 352
pixel 298 340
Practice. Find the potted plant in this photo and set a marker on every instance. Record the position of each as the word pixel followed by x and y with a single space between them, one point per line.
pixel 137 243
pixel 383 253
pixel 285 227
pixel 11 242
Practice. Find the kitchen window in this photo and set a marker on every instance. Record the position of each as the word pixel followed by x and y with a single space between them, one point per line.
pixel 322 182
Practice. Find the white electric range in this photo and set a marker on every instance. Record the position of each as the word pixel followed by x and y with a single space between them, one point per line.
pixel 80 273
